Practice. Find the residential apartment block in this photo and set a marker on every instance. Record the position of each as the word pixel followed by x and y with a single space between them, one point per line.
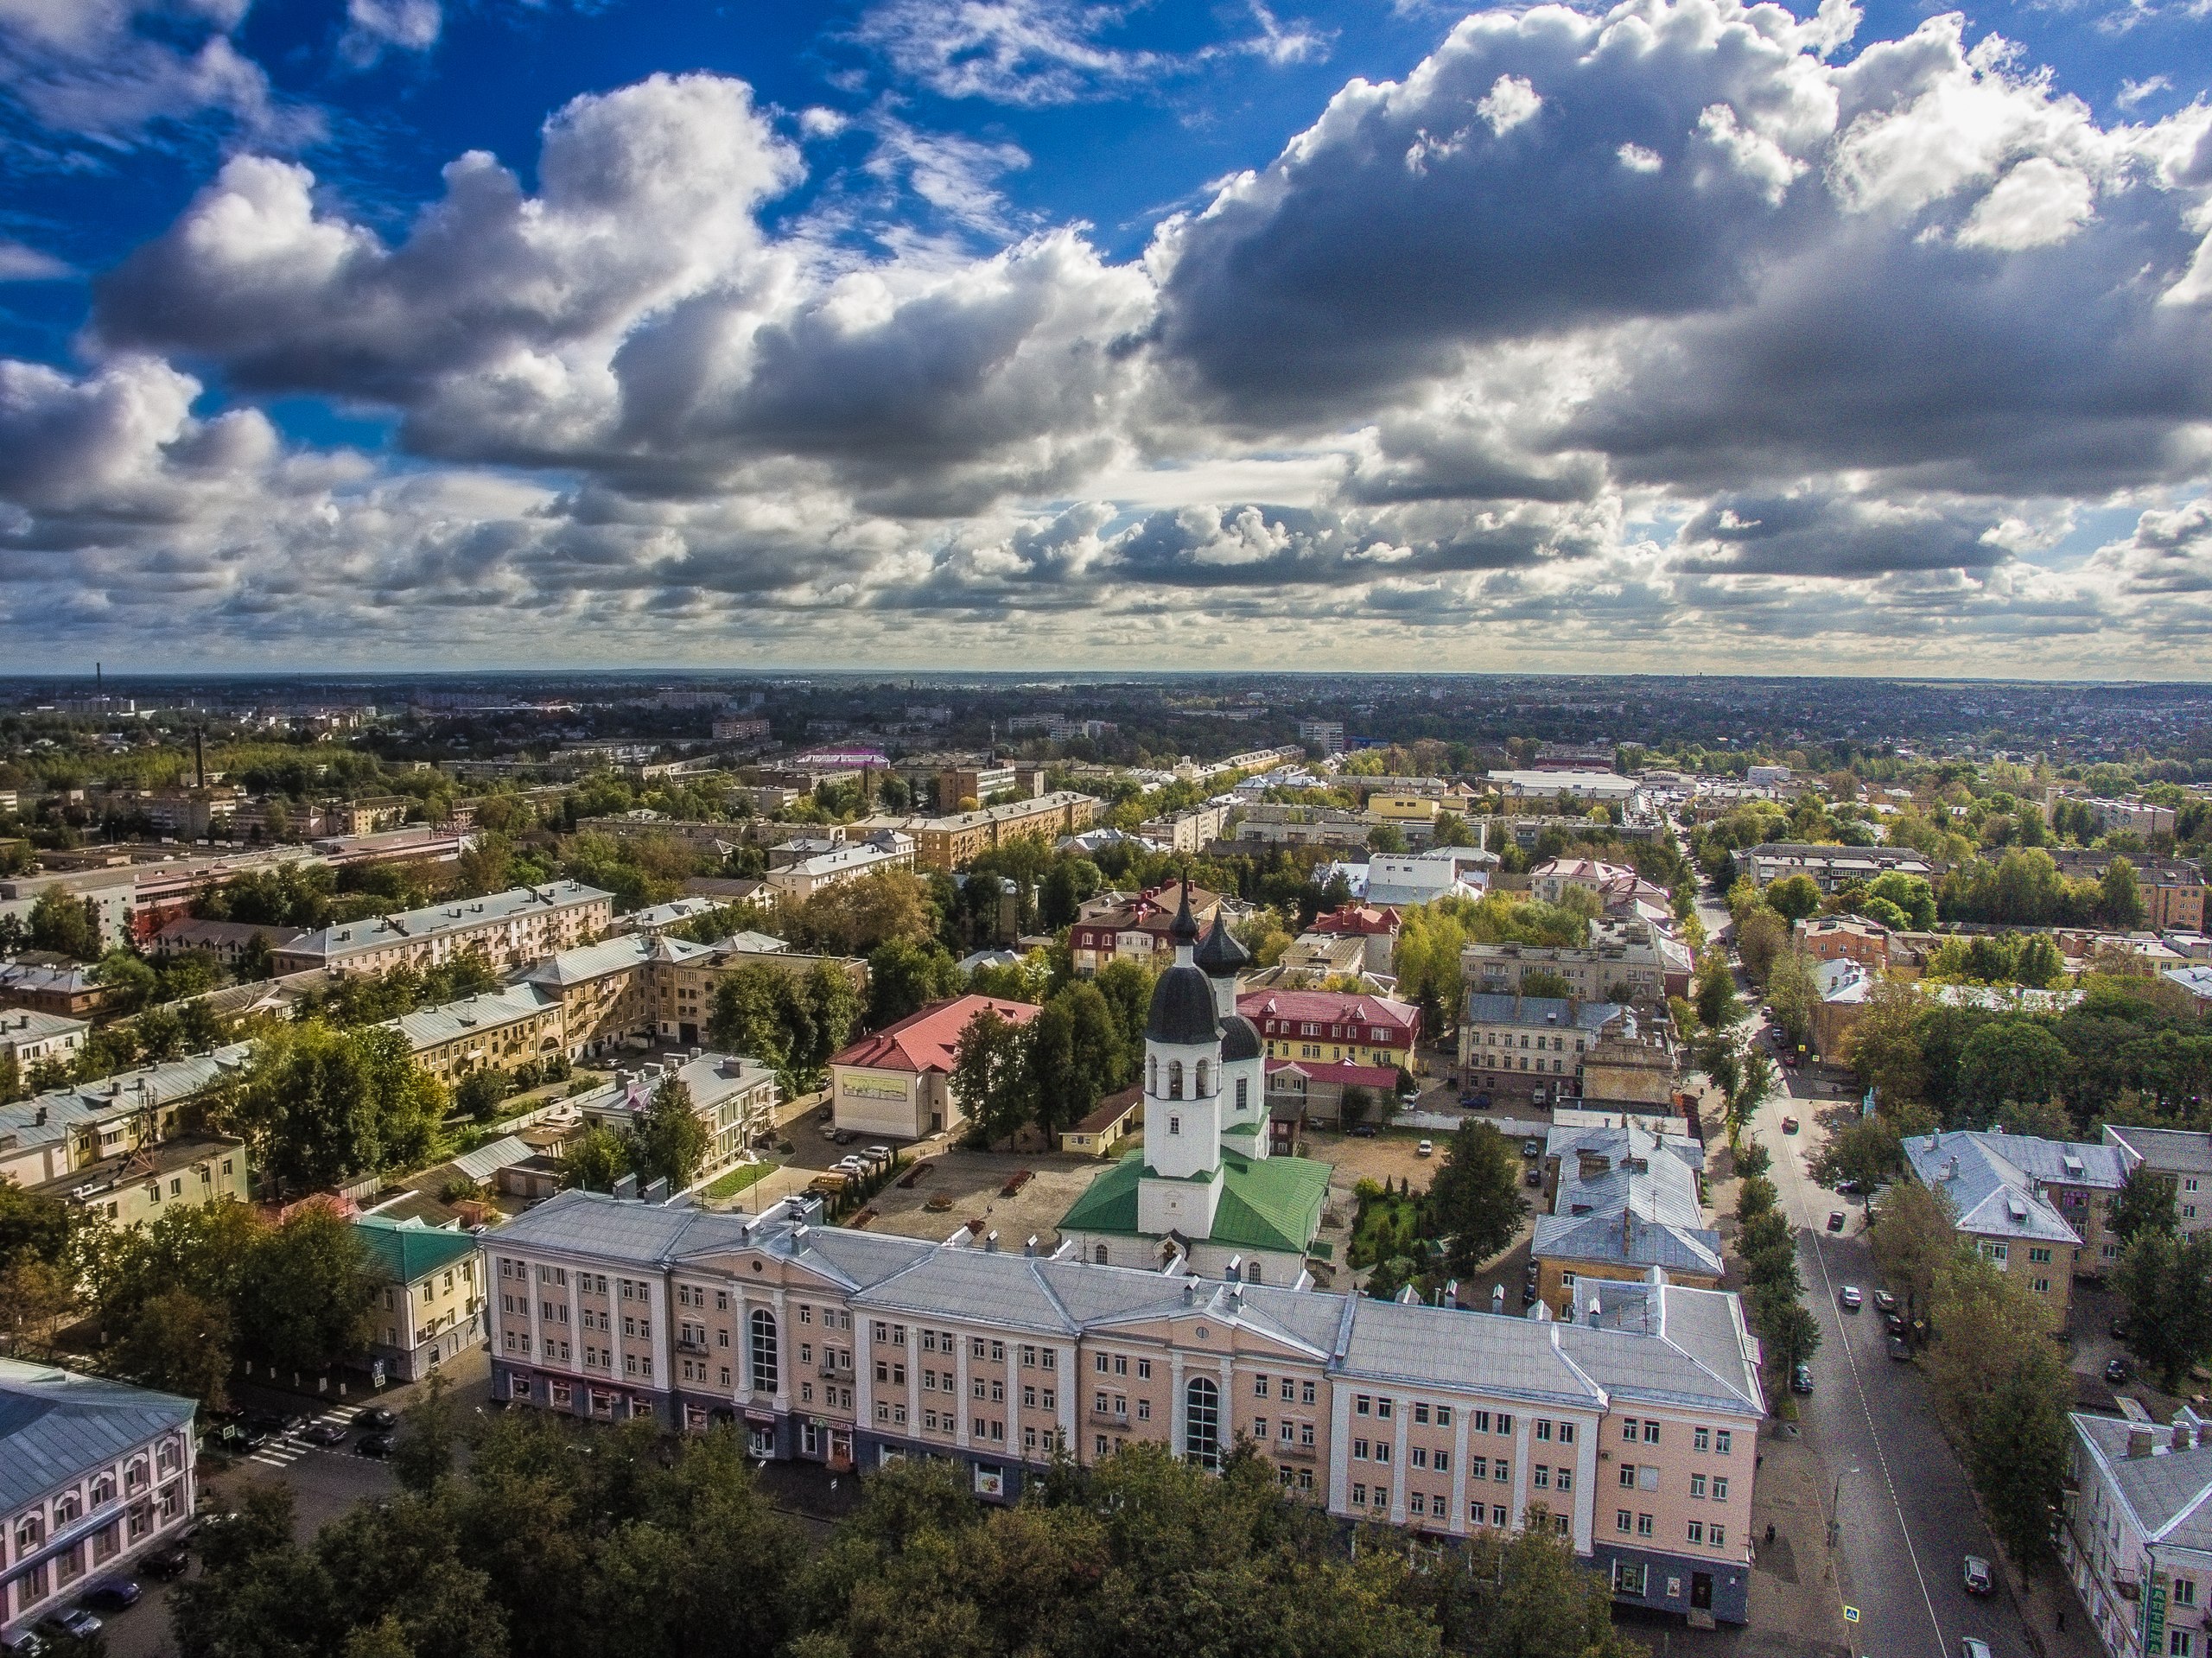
pixel 637 989
pixel 68 1129
pixel 803 877
pixel 1193 830
pixel 1623 1199
pixel 2032 1207
pixel 432 1304
pixel 510 928
pixel 1629 963
pixel 1831 868
pixel 1133 926
pixel 2136 1536
pixel 92 1473
pixel 1521 1047
pixel 734 1099
pixel 132 1188
pixel 1330 1025
pixel 952 842
pixel 28 1037
pixel 1631 1431
pixel 2173 888
pixel 2183 1157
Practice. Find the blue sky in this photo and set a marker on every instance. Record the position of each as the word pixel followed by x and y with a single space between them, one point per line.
pixel 913 333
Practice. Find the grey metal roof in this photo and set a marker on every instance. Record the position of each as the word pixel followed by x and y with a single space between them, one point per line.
pixel 2168 1151
pixel 122 1095
pixel 427 1027
pixel 489 1159
pixel 1654 1176
pixel 1540 1012
pixel 2060 1162
pixel 1645 1244
pixel 1685 1346
pixel 1518 1358
pixel 588 962
pixel 57 1425
pixel 20 1025
pixel 433 920
pixel 2169 1493
pixel 1990 1195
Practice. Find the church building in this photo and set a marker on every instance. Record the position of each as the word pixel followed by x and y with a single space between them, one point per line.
pixel 1203 1187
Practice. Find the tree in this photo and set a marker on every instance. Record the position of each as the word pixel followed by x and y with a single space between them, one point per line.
pixel 306 1294
pixel 1714 995
pixel 1914 1240
pixel 478 1094
pixel 1794 897
pixel 422 1454
pixel 320 1106
pixel 66 924
pixel 905 976
pixel 1911 895
pixel 1075 1056
pixel 1475 1203
pixel 669 1141
pixel 179 1342
pixel 2007 1060
pixel 1761 936
pixel 2119 896
pixel 853 918
pixel 990 1077
pixel 1523 1594
pixel 2165 1282
pixel 1884 1045
pixel 1539 982
pixel 2144 1204
pixel 129 983
pixel 596 1159
pixel 1793 993
pixel 1386 838
pixel 2018 1453
pixel 1867 1152
pixel 1790 1333
pixel 1755 1081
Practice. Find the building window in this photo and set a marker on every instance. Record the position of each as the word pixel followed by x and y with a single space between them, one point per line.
pixel 1175 1081
pixel 764 1354
pixel 1202 1422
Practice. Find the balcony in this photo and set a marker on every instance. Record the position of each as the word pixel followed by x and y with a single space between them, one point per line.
pixel 1109 1418
pixel 1298 1452
pixel 830 1371
pixel 696 1344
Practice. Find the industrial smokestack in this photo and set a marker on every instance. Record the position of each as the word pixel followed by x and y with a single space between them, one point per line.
pixel 199 760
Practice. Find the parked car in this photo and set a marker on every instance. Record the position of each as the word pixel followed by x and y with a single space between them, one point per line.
pixel 1835 1220
pixel 114 1593
pixel 170 1560
pixel 324 1433
pixel 1884 1302
pixel 1789 1125
pixel 1535 1176
pixel 376 1417
pixel 1427 1148
pixel 2119 1329
pixel 1801 1379
pixel 374 1444
pixel 1365 1131
pixel 2116 1370
pixel 25 1642
pixel 1973 1646
pixel 1532 1147
pixel 1899 1347
pixel 1893 1322
pixel 74 1621
pixel 1850 1297
pixel 1973 1572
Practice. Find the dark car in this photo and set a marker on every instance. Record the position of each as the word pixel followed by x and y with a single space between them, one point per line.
pixel 74 1621
pixel 376 1417
pixel 1835 1220
pixel 324 1433
pixel 2119 1329
pixel 1884 1302
pixel 114 1593
pixel 1899 1347
pixel 2116 1370
pixel 170 1560
pixel 1365 1131
pixel 1532 1148
pixel 374 1445
pixel 1801 1379
pixel 1789 1125
pixel 1893 1322
pixel 1535 1177
pixel 273 1425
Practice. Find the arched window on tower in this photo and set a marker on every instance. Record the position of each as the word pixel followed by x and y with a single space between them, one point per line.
pixel 1152 1074
pixel 1202 1422
pixel 1243 1083
pixel 1175 1079
pixel 1099 1254
pixel 1203 1090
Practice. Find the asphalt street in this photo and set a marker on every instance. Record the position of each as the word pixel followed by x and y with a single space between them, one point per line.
pixel 1905 1513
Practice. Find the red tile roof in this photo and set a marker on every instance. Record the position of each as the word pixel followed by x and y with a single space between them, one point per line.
pixel 1325 1070
pixel 928 1040
pixel 1359 918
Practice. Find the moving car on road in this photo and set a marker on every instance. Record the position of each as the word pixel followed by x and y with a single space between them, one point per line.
pixel 324 1433
pixel 1973 1572
pixel 374 1445
pixel 377 1418
pixel 1789 1125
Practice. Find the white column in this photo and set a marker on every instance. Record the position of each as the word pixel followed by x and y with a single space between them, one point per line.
pixel 786 1351
pixel 1586 1480
pixel 1459 1469
pixel 1521 1440
pixel 1069 1390
pixel 663 1348
pixel 1175 1423
pixel 1339 1447
pixel 1398 1411
pixel 864 1377
pixel 405 1309
pixel 1225 1426
pixel 576 1323
pixel 913 1381
pixel 1014 1418
pixel 960 1389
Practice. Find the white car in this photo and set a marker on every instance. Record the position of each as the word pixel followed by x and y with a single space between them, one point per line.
pixel 1850 1297
pixel 1427 1148
pixel 1972 1646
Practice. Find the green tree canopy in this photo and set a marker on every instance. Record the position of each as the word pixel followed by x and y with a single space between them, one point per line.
pixel 1475 1201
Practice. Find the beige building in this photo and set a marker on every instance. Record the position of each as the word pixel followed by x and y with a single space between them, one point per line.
pixel 803 877
pixel 499 1031
pixel 510 928
pixel 132 1188
pixel 1998 1204
pixel 898 1081
pixel 431 1307
pixel 29 1037
pixel 952 842
pixel 67 1129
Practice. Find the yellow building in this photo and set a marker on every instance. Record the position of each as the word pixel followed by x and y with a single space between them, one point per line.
pixel 136 1187
pixel 953 842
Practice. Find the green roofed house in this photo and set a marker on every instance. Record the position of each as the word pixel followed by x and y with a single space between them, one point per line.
pixel 431 1306
pixel 1202 1189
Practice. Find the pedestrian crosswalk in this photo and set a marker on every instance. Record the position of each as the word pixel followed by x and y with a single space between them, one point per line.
pixel 281 1451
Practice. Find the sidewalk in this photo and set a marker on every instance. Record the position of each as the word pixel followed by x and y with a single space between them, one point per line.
pixel 1796 1595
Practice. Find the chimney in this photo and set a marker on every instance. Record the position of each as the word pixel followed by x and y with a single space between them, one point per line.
pixel 2184 1437
pixel 626 1187
pixel 2139 1439
pixel 991 1241
pixel 1190 1291
pixel 656 1190
pixel 1030 1247
pixel 1498 1298
pixel 1234 1273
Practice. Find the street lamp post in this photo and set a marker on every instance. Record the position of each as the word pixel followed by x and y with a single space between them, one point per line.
pixel 1835 1506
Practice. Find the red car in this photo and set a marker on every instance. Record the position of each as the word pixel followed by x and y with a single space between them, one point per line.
pixel 1789 1125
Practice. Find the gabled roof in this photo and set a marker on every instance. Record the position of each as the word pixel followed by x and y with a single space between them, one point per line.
pixel 427 1027
pixel 1328 1007
pixel 1540 1012
pixel 929 1039
pixel 589 962
pixel 2168 1494
pixel 1990 1195
pixel 1271 1202
pixel 1628 1240
pixel 57 1425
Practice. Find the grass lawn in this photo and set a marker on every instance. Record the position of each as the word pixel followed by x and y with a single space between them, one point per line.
pixel 738 1178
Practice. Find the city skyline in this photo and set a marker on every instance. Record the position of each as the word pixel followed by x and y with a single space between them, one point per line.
pixel 909 335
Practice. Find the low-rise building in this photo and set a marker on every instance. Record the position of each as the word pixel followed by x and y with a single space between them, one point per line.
pixel 2136 1536
pixel 1553 784
pixel 1413 816
pixel 1996 1203
pixel 1333 1027
pixel 1274 823
pixel 1529 1048
pixel 1193 829
pixel 1132 926
pixel 432 1304
pixel 2173 888
pixel 898 1081
pixel 803 877
pixel 1377 927
pixel 228 942
pixel 130 1189
pixel 498 1030
pixel 1830 867
pixel 1846 938
pixel 93 1474
pixel 510 928
pixel 64 1129
pixel 734 1097
pixel 1627 962
pixel 1102 1133
pixel 1403 879
pixel 1631 1432
pixel 952 842
pixel 70 990
pixel 30 1039
pixel 2182 1157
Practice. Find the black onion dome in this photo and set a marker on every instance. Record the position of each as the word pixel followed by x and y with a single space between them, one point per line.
pixel 1184 930
pixel 1240 1039
pixel 1221 956
pixel 1182 1009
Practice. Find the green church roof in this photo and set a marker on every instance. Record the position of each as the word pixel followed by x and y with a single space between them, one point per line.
pixel 1268 1202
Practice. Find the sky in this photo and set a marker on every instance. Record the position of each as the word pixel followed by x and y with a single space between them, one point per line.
pixel 1684 335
